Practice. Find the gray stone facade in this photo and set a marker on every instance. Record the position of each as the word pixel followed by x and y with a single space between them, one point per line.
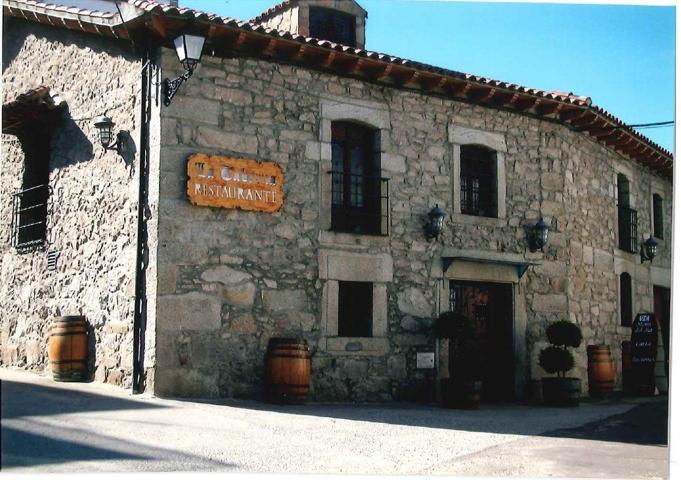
pixel 246 277
pixel 93 215
pixel 221 282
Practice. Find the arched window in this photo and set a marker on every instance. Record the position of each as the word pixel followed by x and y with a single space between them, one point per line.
pixel 478 181
pixel 358 194
pixel 626 311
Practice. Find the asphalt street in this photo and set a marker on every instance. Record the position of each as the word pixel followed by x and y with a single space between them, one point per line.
pixel 65 427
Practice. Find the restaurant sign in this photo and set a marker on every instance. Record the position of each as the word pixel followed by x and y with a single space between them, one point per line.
pixel 225 182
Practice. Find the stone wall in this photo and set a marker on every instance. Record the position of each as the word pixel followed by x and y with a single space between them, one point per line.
pixel 92 223
pixel 229 280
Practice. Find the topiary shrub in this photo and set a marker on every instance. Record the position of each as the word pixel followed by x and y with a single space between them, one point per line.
pixel 557 358
pixel 564 334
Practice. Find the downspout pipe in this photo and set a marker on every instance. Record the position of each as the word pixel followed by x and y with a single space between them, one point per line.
pixel 143 214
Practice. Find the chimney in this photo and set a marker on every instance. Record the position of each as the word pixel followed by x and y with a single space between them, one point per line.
pixel 339 21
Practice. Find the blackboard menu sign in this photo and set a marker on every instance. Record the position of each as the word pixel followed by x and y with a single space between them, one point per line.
pixel 644 353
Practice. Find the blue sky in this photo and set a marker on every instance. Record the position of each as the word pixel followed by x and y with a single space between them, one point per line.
pixel 621 56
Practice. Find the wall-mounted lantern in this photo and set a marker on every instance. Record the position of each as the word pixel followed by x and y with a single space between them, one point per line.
pixel 104 127
pixel 189 49
pixel 538 235
pixel 648 250
pixel 436 223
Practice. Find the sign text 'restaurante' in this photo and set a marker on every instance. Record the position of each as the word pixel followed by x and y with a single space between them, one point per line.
pixel 216 181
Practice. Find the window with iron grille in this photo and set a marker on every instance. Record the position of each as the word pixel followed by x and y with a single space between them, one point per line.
pixel 355 309
pixel 626 310
pixel 332 25
pixel 658 216
pixel 30 204
pixel 359 196
pixel 478 181
pixel 627 217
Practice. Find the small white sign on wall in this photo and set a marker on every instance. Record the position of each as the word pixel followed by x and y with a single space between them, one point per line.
pixel 425 360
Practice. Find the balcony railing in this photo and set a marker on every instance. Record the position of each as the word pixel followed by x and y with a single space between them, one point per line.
pixel 627 222
pixel 29 217
pixel 359 204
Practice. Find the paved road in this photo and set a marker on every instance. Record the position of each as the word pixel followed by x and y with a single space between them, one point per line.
pixel 52 427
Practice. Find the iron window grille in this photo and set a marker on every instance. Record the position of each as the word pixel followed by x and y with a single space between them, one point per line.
pixel 627 222
pixel 29 217
pixel 360 203
pixel 478 181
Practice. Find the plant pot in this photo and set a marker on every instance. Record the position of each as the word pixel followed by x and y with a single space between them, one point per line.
pixel 461 393
pixel 561 392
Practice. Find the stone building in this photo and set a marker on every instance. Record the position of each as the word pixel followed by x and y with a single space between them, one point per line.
pixel 183 298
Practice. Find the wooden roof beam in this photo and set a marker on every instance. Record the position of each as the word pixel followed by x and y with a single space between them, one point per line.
pixel 547 108
pixel 572 113
pixel 480 94
pixel 525 104
pixel 584 122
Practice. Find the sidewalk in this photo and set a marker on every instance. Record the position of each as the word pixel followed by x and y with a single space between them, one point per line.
pixel 56 427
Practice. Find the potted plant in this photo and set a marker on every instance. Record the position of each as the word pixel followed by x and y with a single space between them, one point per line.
pixel 560 390
pixel 462 389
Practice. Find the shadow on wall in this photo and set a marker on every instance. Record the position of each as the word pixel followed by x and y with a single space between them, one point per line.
pixel 11 44
pixel 15 33
pixel 70 145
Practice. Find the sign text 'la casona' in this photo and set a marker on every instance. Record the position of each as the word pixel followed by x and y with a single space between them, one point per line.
pixel 217 181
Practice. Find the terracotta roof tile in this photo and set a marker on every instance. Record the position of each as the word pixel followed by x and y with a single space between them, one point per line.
pixel 563 98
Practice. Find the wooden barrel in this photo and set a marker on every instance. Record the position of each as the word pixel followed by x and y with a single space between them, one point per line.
pixel 287 370
pixel 601 371
pixel 626 366
pixel 67 349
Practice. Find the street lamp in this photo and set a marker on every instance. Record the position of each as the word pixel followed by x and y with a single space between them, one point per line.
pixel 189 49
pixel 436 222
pixel 648 250
pixel 104 126
pixel 538 235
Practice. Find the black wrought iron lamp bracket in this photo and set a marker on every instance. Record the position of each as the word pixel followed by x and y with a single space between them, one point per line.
pixel 170 87
pixel 117 145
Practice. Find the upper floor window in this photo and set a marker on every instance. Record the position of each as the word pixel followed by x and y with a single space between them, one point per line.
pixel 658 216
pixel 478 181
pixel 359 194
pixel 627 220
pixel 30 204
pixel 332 25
